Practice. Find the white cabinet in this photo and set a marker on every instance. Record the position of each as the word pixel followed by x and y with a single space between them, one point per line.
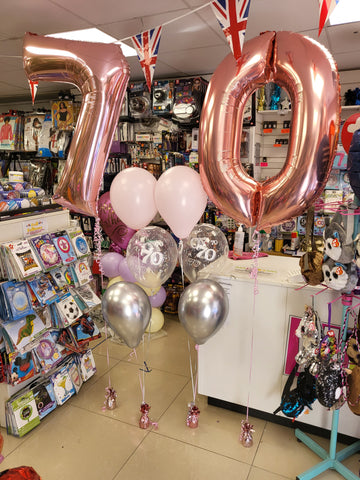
pixel 225 359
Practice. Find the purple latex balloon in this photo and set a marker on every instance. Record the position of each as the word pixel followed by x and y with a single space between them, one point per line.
pixel 125 273
pixel 117 231
pixel 111 264
pixel 159 298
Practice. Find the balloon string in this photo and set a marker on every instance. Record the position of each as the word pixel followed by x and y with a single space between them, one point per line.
pixel 142 383
pixel 254 275
pixel 193 382
pixel 142 387
pixel 181 247
pixel 334 207
pixel 107 353
pixel 98 240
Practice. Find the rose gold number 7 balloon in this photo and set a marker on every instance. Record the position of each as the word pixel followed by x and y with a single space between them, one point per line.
pixel 101 73
pixel 306 70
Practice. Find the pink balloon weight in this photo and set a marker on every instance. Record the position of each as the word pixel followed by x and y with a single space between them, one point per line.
pixel 132 197
pixel 117 231
pixel 180 199
pixel 159 298
pixel 110 264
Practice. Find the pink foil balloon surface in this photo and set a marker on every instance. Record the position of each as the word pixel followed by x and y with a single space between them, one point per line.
pixel 101 73
pixel 117 231
pixel 306 70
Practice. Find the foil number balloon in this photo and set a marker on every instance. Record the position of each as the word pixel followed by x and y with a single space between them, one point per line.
pixel 306 70
pixel 101 73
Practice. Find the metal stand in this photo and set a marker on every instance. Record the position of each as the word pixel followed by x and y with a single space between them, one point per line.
pixel 331 459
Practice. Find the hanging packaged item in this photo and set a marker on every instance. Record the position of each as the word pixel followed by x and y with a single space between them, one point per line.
pixel 10 135
pixel 32 131
pixel 162 97
pixel 311 261
pixel 62 113
pixel 139 100
pixel 189 97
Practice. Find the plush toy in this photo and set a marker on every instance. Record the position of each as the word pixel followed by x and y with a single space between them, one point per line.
pixel 353 163
pixel 357 250
pixel 353 378
pixel 340 277
pixel 335 245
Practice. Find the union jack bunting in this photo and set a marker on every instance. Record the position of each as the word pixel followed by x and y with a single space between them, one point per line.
pixel 232 16
pixel 33 88
pixel 326 9
pixel 146 45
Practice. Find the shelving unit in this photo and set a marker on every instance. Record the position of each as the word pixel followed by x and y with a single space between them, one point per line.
pixel 275 154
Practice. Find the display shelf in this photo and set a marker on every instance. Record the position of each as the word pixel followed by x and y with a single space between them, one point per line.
pixel 275 112
pixel 13 228
pixel 21 227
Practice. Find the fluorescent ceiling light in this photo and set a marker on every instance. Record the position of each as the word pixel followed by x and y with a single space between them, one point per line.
pixel 346 11
pixel 95 35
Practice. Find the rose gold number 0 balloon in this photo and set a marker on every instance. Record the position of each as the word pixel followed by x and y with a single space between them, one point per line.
pixel 101 73
pixel 306 70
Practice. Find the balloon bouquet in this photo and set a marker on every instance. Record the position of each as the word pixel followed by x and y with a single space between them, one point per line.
pixel 298 64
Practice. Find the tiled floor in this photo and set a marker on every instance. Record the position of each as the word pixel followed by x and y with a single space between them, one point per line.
pixel 79 441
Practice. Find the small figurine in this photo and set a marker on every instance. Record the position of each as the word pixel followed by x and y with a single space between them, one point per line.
pixel 144 421
pixel 192 419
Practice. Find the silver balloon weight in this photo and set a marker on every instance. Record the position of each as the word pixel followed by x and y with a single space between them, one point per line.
pixel 127 309
pixel 203 308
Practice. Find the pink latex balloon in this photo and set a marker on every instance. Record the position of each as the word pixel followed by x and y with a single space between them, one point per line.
pixel 132 197
pixel 159 298
pixel 101 73
pixel 180 199
pixel 306 70
pixel 117 231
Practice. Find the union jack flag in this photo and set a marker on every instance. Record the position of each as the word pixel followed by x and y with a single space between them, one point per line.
pixel 326 9
pixel 33 88
pixel 232 16
pixel 146 45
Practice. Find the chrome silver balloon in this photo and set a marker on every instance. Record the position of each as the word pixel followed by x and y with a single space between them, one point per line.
pixel 127 309
pixel 203 308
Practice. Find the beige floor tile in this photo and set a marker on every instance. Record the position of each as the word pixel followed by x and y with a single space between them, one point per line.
pixel 218 429
pixel 80 445
pixel 161 388
pixel 160 458
pixel 116 350
pixel 281 453
pixel 169 353
pixel 259 474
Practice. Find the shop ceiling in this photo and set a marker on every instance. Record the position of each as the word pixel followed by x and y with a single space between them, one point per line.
pixel 190 46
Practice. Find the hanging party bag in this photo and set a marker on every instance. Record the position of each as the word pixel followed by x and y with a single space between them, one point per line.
pixel 353 378
pixel 293 402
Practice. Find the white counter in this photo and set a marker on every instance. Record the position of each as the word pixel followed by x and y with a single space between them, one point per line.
pixel 225 359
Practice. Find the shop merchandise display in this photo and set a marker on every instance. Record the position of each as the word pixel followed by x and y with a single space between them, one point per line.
pixel 45 304
pixel 48 288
